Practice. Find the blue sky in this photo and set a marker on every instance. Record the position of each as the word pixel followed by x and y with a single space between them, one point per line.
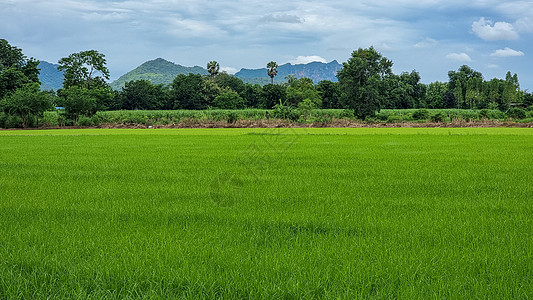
pixel 432 37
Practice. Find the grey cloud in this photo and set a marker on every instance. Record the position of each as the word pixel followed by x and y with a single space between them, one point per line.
pixel 282 18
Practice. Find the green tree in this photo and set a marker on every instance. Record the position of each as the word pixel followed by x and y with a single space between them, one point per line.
pixel 252 95
pixel 302 89
pixel 229 99
pixel 458 84
pixel 142 94
pixel 434 97
pixel 78 102
pixel 225 80
pixel 272 70
pixel 193 91
pixel 81 69
pixel 213 67
pixel 15 69
pixel 361 80
pixel 26 102
pixel 330 93
pixel 273 94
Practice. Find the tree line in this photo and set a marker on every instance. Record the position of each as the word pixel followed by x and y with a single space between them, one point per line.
pixel 365 85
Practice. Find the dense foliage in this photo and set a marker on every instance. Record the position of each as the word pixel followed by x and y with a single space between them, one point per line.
pixel 366 86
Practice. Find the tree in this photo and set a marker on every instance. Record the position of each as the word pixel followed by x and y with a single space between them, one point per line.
pixel 273 94
pixel 458 84
pixel 142 94
pixel 330 93
pixel 80 69
pixel 225 80
pixel 26 102
pixel 79 102
pixel 193 92
pixel 229 99
pixel 434 97
pixel 15 69
pixel 361 80
pixel 252 94
pixel 213 67
pixel 302 89
pixel 272 70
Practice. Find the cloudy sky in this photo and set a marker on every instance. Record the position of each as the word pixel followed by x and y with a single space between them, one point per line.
pixel 430 36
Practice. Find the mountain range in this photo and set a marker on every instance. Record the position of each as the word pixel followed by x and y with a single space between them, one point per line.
pixel 157 71
pixel 317 71
pixel 51 78
pixel 161 71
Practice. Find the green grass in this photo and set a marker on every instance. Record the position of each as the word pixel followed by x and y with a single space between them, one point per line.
pixel 267 213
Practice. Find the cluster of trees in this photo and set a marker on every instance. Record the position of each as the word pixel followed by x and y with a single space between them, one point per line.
pixel 366 84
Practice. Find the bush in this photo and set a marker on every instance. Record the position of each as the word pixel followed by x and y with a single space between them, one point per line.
pixel 438 117
pixel 530 108
pixel 3 117
pixel 516 113
pixel 232 117
pixel 382 117
pixel 394 119
pixel 85 121
pixel 13 122
pixel 484 114
pixel 50 118
pixel 286 112
pixel 421 114
pixel 347 114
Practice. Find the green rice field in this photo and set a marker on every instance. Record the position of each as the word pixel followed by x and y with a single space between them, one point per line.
pixel 323 213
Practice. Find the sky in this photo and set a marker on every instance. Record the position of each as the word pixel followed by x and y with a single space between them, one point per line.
pixel 429 36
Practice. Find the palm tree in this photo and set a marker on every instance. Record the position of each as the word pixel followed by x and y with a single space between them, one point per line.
pixel 213 67
pixel 272 70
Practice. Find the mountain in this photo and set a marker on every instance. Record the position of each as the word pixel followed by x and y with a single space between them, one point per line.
pixel 51 78
pixel 317 71
pixel 158 71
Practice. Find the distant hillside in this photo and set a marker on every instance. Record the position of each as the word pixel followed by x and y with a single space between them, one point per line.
pixel 158 71
pixel 317 71
pixel 50 77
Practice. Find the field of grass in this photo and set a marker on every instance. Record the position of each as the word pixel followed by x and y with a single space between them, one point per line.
pixel 267 213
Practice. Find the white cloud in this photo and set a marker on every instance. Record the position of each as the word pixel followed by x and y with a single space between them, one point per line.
pixel 428 42
pixel 524 24
pixel 493 66
pixel 301 60
pixel 490 31
pixel 507 52
pixel 461 57
pixel 229 70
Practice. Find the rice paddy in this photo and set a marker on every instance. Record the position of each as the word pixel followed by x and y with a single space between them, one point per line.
pixel 267 213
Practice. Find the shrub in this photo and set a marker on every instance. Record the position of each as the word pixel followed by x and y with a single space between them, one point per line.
pixel 85 121
pixel 232 117
pixel 421 114
pixel 286 112
pixel 484 114
pixel 3 117
pixel 347 114
pixel 13 122
pixel 438 117
pixel 382 117
pixel 394 119
pixel 516 113
pixel 50 118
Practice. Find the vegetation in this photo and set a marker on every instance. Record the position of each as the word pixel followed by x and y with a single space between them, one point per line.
pixel 285 213
pixel 272 70
pixel 366 86
pixel 213 67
